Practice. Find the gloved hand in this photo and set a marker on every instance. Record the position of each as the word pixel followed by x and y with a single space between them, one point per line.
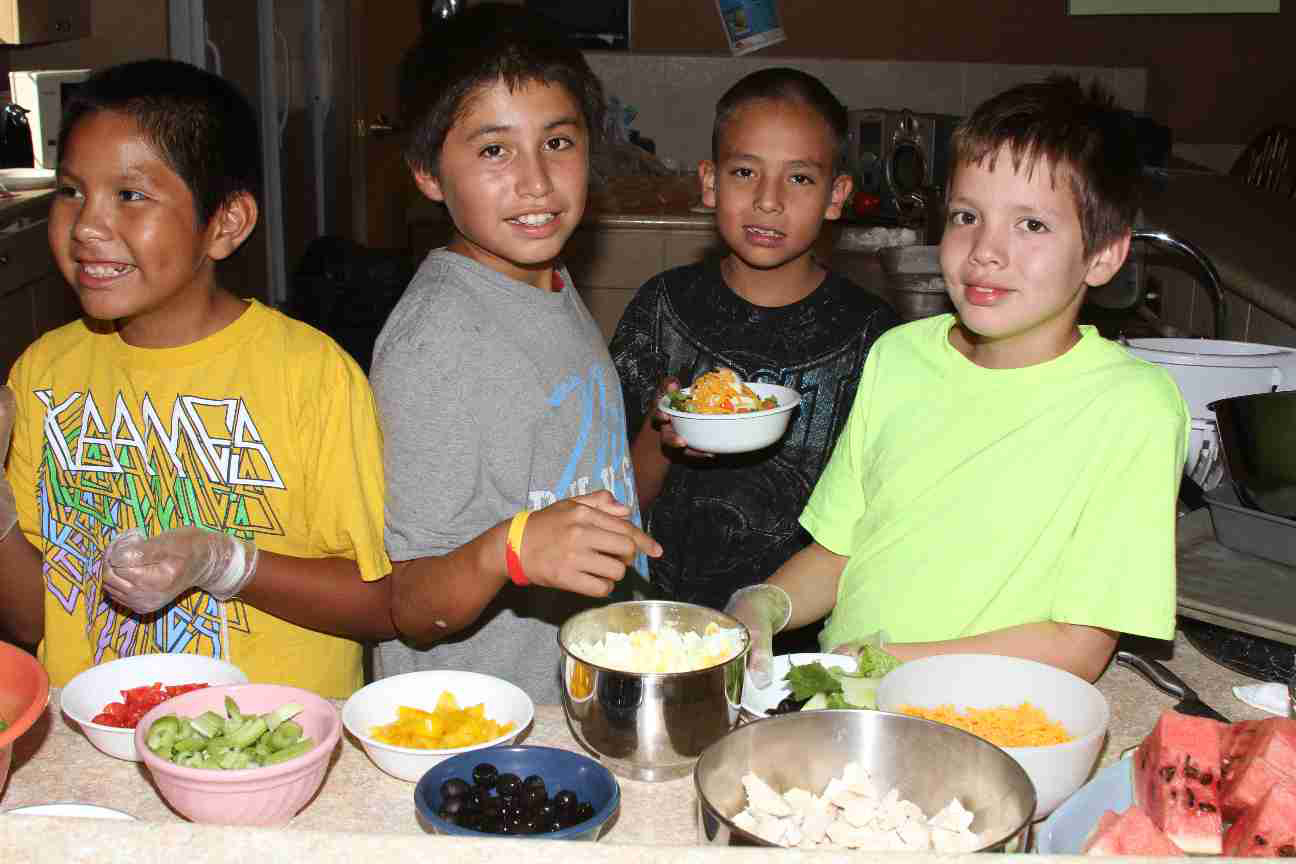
pixel 147 573
pixel 871 654
pixel 8 503
pixel 765 610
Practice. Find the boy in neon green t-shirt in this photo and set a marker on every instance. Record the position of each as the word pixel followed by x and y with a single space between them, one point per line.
pixel 1007 479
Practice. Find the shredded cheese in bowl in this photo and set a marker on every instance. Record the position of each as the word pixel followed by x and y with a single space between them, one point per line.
pixel 664 649
pixel 1005 726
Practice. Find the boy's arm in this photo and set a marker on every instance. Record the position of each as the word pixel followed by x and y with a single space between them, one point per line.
pixel 1081 650
pixel 22 610
pixel 580 544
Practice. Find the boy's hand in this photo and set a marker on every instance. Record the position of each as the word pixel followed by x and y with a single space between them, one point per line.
pixel 147 573
pixel 765 610
pixel 8 503
pixel 662 422
pixel 583 544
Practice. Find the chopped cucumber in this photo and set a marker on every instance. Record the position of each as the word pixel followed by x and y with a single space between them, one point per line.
pixel 231 742
pixel 817 701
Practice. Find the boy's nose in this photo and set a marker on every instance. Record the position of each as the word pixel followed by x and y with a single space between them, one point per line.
pixel 91 223
pixel 533 177
pixel 768 196
pixel 987 248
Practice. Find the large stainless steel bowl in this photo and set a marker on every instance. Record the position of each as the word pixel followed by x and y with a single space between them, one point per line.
pixel 648 726
pixel 929 763
pixel 1257 434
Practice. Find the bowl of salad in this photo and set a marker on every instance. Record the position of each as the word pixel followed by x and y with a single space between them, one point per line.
pixel 24 693
pixel 721 414
pixel 807 682
pixel 108 700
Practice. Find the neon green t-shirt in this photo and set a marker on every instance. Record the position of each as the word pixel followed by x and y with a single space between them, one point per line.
pixel 970 499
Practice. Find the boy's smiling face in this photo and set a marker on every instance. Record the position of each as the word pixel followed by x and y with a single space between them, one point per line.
pixel 513 172
pixel 1014 264
pixel 124 231
pixel 772 183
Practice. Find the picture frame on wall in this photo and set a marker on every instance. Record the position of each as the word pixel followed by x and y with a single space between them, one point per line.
pixel 750 25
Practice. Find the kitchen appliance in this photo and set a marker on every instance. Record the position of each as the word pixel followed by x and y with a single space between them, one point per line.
pixel 900 157
pixel 43 92
pixel 15 137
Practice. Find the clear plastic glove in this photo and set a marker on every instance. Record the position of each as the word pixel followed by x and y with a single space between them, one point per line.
pixel 147 573
pixel 765 610
pixel 8 503
pixel 871 654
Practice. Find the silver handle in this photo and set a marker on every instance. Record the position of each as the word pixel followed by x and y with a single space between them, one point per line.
pixel 1160 677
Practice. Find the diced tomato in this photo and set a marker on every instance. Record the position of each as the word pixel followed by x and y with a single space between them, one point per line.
pixel 138 702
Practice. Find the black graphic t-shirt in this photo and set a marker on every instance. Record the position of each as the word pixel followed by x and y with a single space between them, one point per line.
pixel 733 521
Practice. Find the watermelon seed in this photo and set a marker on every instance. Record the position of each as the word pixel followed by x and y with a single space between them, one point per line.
pixel 1287 851
pixel 1167 773
pixel 1206 807
pixel 1260 840
pixel 1207 779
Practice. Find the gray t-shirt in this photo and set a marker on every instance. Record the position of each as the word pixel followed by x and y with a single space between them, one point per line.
pixel 493 396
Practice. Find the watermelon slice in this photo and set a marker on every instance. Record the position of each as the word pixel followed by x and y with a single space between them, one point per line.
pixel 1176 781
pixel 1267 830
pixel 1270 759
pixel 1236 740
pixel 1129 833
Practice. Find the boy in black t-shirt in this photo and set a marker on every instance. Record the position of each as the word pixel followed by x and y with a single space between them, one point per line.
pixel 769 311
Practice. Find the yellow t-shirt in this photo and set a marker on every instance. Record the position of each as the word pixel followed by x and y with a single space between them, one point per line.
pixel 266 429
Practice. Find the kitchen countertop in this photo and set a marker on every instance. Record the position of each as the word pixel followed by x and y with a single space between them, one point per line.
pixel 29 204
pixel 362 812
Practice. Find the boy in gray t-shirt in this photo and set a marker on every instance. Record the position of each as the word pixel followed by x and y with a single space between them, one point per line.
pixel 510 500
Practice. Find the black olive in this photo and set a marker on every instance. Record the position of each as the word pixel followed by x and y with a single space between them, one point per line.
pixel 505 828
pixel 555 825
pixel 470 819
pixel 584 810
pixel 508 784
pixel 453 806
pixel 547 810
pixel 535 781
pixel 447 816
pixel 484 775
pixel 533 797
pixel 789 706
pixel 454 788
pixel 565 801
pixel 531 825
pixel 476 796
pixel 514 823
pixel 490 823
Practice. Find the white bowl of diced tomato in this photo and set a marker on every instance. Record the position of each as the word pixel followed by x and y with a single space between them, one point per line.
pixel 108 700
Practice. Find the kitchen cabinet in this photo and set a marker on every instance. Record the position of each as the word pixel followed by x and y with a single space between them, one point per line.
pixel 34 297
pixel 25 22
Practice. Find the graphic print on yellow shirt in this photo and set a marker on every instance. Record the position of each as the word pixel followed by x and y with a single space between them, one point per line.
pixel 266 430
pixel 198 461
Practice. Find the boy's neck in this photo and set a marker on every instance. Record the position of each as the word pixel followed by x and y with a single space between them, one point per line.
pixel 184 326
pixel 1017 352
pixel 784 285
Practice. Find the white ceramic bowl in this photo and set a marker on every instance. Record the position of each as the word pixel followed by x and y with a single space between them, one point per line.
pixel 989 681
pixel 736 433
pixel 376 704
pixel 87 694
pixel 78 811
pixel 760 701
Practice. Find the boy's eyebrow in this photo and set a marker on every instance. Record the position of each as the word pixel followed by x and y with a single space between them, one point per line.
pixel 795 163
pixel 496 128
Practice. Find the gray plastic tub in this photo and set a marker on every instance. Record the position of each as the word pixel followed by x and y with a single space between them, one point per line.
pixel 1251 531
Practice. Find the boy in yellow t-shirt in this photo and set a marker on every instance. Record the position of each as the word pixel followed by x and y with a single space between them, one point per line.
pixel 194 472
pixel 1006 481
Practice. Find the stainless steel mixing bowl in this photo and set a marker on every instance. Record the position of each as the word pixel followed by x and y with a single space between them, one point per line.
pixel 929 763
pixel 1258 436
pixel 640 725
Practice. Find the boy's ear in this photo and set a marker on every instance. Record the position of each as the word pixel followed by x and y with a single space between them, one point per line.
pixel 841 190
pixel 707 176
pixel 231 224
pixel 429 185
pixel 1106 261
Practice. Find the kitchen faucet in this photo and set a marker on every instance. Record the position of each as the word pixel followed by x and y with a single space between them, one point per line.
pixel 1211 280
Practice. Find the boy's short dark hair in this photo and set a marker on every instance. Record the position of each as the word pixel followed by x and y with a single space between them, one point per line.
pixel 1059 121
pixel 198 122
pixel 475 49
pixel 784 84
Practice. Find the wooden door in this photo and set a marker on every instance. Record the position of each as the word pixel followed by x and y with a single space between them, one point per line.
pixel 381 188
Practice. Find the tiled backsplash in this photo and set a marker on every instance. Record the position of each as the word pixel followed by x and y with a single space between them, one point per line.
pixel 676 95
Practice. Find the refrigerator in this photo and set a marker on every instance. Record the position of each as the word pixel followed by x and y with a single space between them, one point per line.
pixel 290 58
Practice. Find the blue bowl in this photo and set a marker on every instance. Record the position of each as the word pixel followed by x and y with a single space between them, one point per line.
pixel 561 769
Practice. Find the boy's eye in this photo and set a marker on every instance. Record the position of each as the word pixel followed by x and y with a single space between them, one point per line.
pixel 802 179
pixel 743 173
pixel 492 151
pixel 559 143
pixel 65 191
pixel 1034 226
pixel 961 217
pixel 130 195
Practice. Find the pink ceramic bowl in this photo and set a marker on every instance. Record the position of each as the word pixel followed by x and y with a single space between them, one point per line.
pixel 251 796
pixel 24 693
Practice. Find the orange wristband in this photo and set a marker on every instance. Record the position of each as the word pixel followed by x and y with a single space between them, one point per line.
pixel 513 548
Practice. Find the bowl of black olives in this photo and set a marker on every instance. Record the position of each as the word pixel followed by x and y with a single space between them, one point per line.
pixel 522 791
